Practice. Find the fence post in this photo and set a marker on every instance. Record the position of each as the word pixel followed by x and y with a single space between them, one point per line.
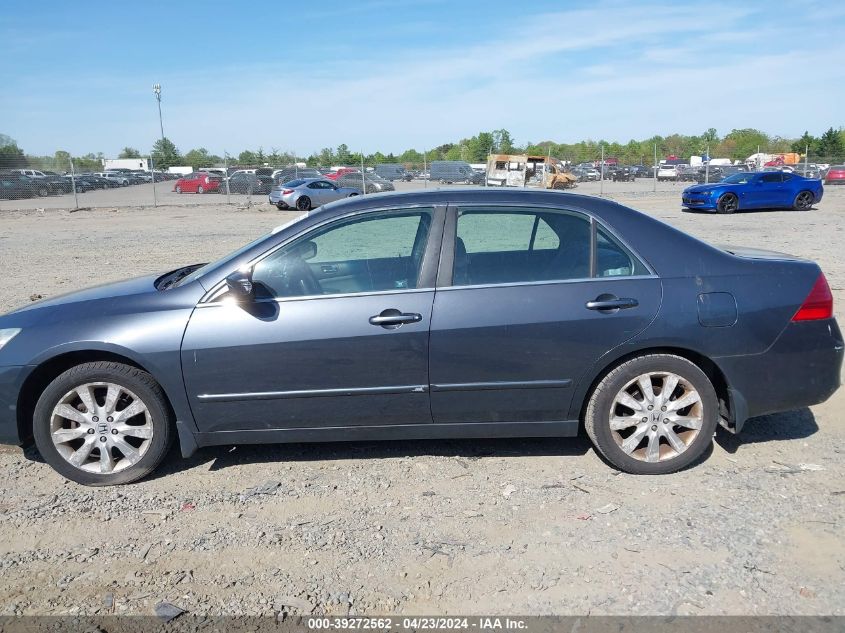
pixel 226 168
pixel 363 179
pixel 153 172
pixel 73 184
pixel 654 168
pixel 425 169
pixel 601 172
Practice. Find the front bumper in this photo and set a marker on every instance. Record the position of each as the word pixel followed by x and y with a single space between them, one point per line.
pixel 695 201
pixel 802 368
pixel 10 382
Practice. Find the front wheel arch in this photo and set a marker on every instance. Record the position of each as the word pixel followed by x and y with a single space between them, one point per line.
pixel 37 381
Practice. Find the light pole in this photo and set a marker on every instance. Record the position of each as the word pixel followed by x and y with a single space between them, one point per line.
pixel 157 93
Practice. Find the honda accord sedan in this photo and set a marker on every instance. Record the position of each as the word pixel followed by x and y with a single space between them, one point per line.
pixel 428 314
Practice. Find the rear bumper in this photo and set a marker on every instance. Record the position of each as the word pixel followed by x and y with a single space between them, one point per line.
pixel 802 368
pixel 10 381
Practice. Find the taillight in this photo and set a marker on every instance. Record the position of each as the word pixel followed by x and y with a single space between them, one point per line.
pixel 818 304
pixel 286 191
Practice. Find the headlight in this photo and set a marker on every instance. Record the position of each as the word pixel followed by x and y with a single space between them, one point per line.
pixel 7 335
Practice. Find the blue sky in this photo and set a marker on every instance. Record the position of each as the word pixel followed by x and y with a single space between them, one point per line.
pixel 389 75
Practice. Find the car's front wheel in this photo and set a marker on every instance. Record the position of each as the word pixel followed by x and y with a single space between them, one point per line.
pixel 652 415
pixel 200 189
pixel 178 189
pixel 728 203
pixel 103 423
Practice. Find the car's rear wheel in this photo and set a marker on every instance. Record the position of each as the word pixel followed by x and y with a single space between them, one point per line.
pixel 103 423
pixel 43 191
pixel 352 195
pixel 728 203
pixel 178 189
pixel 652 415
pixel 200 189
pixel 303 203
pixel 803 201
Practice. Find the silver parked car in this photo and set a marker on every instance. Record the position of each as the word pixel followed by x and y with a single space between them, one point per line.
pixel 309 193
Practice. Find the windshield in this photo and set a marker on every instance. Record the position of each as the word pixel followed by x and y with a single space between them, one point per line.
pixel 294 183
pixel 739 179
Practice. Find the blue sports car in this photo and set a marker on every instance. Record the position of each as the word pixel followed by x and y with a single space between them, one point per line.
pixel 749 190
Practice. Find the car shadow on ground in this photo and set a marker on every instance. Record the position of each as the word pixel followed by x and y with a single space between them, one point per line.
pixel 744 211
pixel 790 425
pixel 220 457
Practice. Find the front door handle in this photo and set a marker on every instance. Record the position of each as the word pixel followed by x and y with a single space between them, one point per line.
pixel 608 303
pixel 393 318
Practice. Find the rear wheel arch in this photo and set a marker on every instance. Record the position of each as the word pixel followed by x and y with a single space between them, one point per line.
pixel 705 364
pixel 38 380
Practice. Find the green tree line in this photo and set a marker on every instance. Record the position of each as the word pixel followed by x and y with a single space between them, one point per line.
pixel 737 144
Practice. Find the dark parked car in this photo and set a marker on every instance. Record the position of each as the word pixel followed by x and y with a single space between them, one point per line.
pixel 16 186
pixel 286 174
pixel 755 190
pixel 427 314
pixel 58 184
pixel 642 171
pixel 622 173
pixel 248 183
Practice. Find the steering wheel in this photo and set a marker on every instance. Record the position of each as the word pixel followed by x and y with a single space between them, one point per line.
pixel 298 277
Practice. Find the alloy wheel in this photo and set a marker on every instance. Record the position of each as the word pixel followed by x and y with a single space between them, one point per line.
pixel 804 201
pixel 101 427
pixel 656 416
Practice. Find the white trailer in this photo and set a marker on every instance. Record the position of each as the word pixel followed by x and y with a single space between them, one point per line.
pixel 126 163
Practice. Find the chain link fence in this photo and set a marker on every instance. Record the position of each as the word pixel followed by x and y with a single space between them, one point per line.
pixel 252 178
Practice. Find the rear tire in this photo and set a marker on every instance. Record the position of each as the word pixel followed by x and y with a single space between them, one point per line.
pixel 727 203
pixel 803 201
pixel 150 433
pixel 303 203
pixel 43 191
pixel 680 435
pixel 178 189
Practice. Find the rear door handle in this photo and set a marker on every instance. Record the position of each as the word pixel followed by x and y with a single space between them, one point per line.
pixel 393 318
pixel 604 302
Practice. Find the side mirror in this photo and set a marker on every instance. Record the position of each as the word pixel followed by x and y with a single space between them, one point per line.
pixel 240 285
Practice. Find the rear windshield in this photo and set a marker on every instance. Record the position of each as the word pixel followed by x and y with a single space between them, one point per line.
pixel 294 183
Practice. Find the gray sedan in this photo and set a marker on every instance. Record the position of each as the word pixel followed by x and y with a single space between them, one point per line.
pixel 308 193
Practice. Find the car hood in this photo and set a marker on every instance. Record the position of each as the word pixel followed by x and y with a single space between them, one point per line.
pixel 702 188
pixel 135 286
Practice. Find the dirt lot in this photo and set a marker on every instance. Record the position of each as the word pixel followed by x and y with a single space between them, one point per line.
pixel 506 526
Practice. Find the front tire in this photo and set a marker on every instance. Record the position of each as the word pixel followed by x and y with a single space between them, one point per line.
pixel 103 424
pixel 200 189
pixel 178 189
pixel 803 201
pixel 653 415
pixel 728 203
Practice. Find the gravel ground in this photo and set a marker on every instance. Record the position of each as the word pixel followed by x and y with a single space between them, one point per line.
pixel 500 526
